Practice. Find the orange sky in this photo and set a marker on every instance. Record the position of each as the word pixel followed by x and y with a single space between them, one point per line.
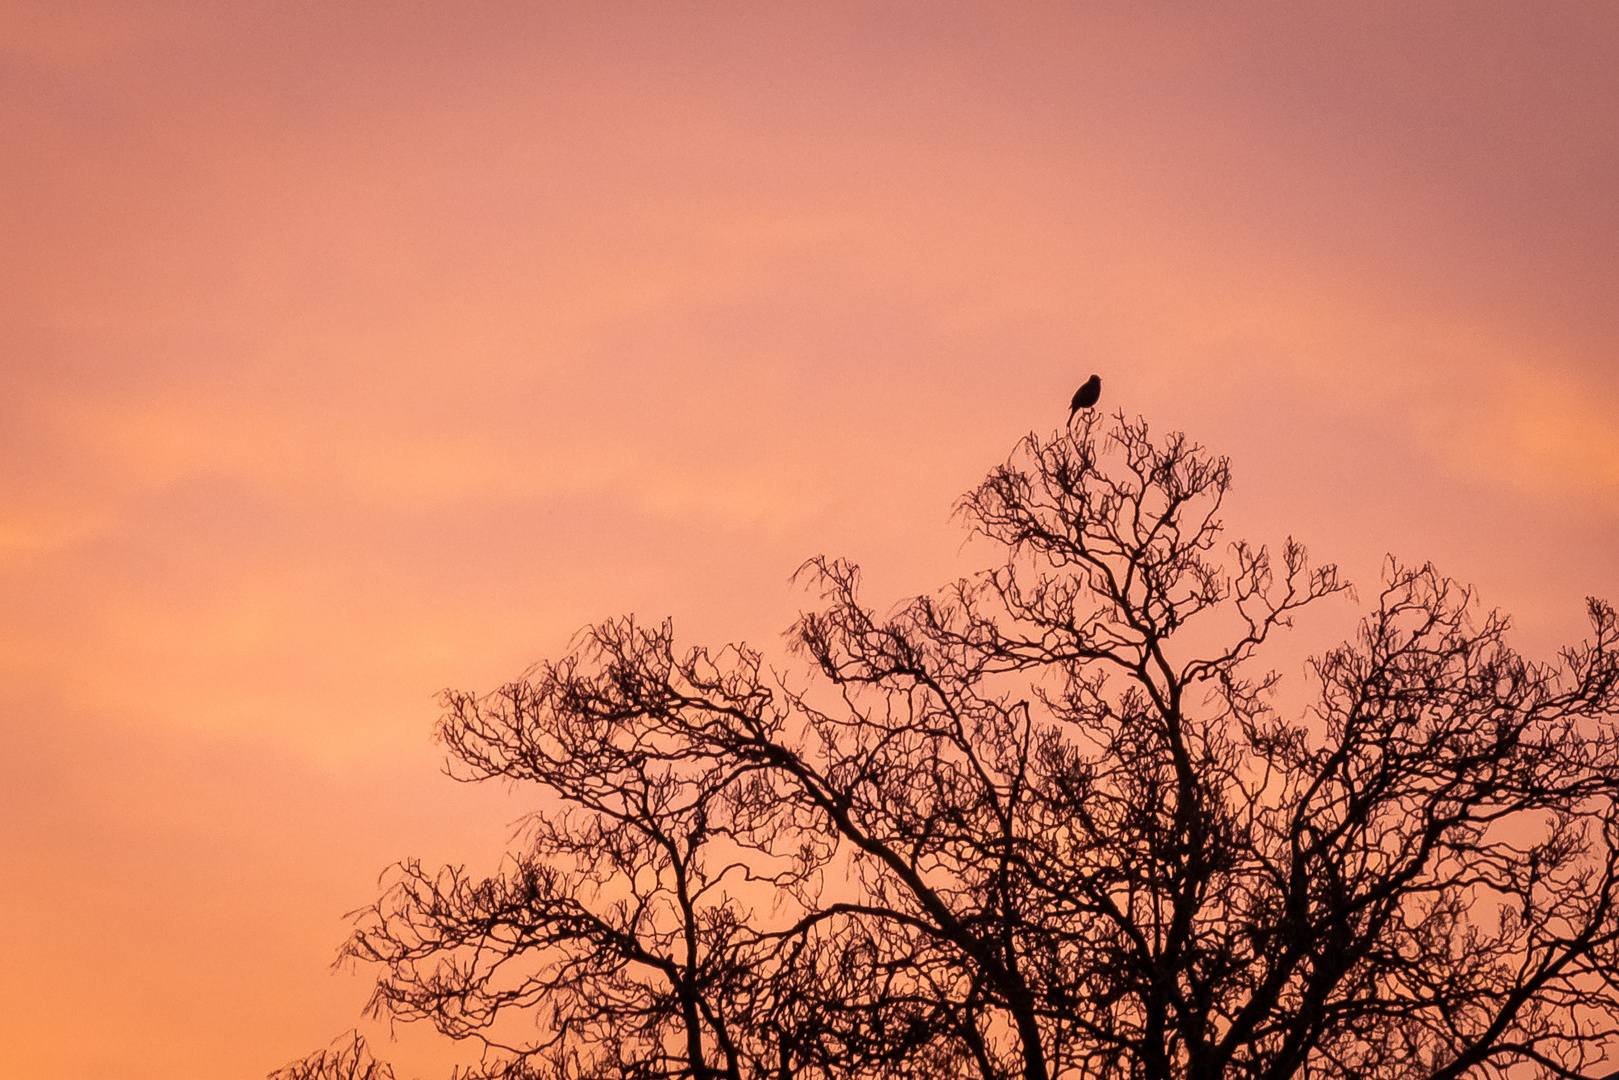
pixel 355 350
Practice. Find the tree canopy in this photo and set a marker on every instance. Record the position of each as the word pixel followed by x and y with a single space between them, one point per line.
pixel 1046 823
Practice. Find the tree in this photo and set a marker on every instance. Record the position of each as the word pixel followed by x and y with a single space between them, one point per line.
pixel 1047 823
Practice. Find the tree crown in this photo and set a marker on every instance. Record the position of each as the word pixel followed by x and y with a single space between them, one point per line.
pixel 1044 823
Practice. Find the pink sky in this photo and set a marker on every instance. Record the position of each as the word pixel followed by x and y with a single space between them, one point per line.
pixel 352 351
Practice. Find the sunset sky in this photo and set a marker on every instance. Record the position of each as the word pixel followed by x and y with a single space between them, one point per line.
pixel 354 350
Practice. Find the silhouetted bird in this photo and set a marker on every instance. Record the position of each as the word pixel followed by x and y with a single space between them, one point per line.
pixel 1085 396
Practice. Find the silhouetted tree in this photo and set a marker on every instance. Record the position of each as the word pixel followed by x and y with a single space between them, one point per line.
pixel 1044 824
pixel 349 1059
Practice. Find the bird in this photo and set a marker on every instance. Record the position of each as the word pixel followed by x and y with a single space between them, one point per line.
pixel 1085 396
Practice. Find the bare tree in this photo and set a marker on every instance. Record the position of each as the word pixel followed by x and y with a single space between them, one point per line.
pixel 1047 823
pixel 348 1059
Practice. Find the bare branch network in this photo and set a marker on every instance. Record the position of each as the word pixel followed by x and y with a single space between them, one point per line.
pixel 1044 824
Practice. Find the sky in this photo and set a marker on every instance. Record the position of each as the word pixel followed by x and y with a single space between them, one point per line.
pixel 351 351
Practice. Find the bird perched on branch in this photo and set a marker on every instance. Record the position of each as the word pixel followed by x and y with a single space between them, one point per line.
pixel 1085 396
